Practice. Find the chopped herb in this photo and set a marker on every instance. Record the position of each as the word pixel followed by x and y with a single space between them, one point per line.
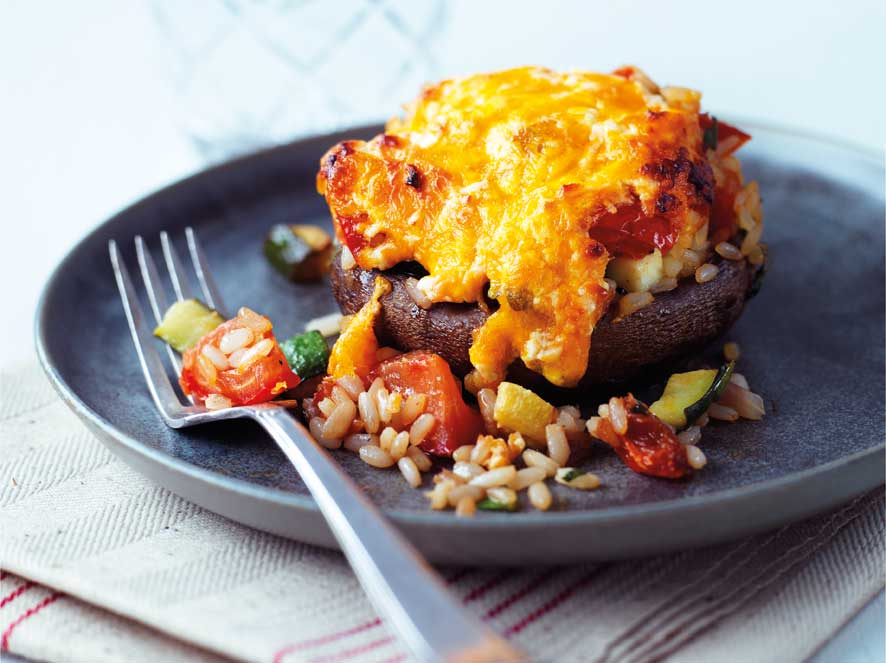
pixel 571 475
pixel 711 135
pixel 487 504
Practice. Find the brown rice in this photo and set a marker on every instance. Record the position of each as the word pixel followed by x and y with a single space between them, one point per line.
pixel 410 472
pixel 558 445
pixel 375 456
pixel 540 496
pixel 707 272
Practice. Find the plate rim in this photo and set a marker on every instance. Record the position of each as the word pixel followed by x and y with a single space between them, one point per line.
pixel 306 504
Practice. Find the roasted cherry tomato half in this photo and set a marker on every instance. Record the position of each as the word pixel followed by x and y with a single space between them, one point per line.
pixel 428 373
pixel 648 446
pixel 629 233
pixel 240 360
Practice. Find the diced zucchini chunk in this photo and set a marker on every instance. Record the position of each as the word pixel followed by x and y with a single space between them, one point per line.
pixel 519 410
pixel 718 386
pixel 301 253
pixel 186 322
pixel 682 390
pixel 636 275
pixel 307 354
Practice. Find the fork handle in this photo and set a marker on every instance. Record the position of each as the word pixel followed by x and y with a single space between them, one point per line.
pixel 399 582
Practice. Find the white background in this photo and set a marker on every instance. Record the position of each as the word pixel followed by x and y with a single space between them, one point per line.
pixel 90 121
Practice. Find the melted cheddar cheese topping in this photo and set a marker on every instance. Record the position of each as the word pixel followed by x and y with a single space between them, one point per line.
pixel 516 188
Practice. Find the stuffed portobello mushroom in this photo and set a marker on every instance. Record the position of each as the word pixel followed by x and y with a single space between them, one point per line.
pixel 554 230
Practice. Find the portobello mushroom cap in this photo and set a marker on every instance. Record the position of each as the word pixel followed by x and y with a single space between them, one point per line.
pixel 675 326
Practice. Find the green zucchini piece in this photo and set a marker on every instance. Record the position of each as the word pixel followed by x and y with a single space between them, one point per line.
pixel 712 395
pixel 682 391
pixel 487 504
pixel 302 253
pixel 307 354
pixel 186 322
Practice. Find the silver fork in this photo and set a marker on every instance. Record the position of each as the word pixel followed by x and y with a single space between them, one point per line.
pixel 401 585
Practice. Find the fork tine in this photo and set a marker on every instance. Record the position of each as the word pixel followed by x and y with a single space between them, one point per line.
pixel 204 275
pixel 154 287
pixel 152 366
pixel 176 271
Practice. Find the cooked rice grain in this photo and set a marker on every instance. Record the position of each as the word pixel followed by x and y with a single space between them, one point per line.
pixel 707 272
pixel 502 495
pixel 457 493
pixel 466 508
pixel 420 458
pixel 558 445
pixel 463 453
pixel 691 435
pixel 353 385
pixel 357 440
pixel 421 428
pixel 412 407
pixel 235 340
pixel 415 293
pixel 728 251
pixel 696 457
pixel 740 380
pixel 368 412
pixel 399 445
pixel 540 496
pixel 526 477
pixel 217 402
pixel 486 400
pixel 632 302
pixel 748 404
pixel 534 458
pixel 216 356
pixel 376 456
pixel 584 481
pixel 327 325
pixel 618 418
pixel 339 421
pixel 500 476
pixel 722 413
pixel 409 471
pixel 467 471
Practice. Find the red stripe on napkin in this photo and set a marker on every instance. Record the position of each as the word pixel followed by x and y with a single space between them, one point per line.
pixel 30 612
pixel 533 586
pixel 479 592
pixel 355 651
pixel 15 593
pixel 395 659
pixel 332 637
pixel 322 640
pixel 550 605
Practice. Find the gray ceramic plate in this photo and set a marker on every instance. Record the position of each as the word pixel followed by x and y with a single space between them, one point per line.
pixel 812 341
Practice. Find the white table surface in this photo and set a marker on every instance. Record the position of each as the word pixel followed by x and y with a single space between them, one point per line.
pixel 90 121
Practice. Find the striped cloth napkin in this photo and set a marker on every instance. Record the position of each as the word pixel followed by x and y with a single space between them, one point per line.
pixel 102 565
